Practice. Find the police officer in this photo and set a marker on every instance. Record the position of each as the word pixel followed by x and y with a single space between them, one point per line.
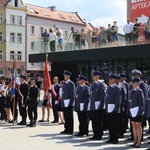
pixel 123 96
pixel 3 89
pixel 97 97
pixel 113 102
pixel 81 104
pixel 136 110
pixel 23 93
pixel 68 97
pixel 55 97
pixel 32 103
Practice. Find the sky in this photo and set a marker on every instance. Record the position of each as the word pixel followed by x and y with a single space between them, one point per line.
pixel 98 12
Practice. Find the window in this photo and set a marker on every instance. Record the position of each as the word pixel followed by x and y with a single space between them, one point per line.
pixel 1 72
pixel 66 35
pixel 73 18
pixel 31 10
pixel 32 30
pixel 12 37
pixel 1 36
pixel 1 18
pixel 41 30
pixel 61 16
pixel 1 55
pixel 32 45
pixel 16 3
pixel 19 38
pixel 19 56
pixel 45 13
pixel 12 55
pixel 12 19
pixel 19 20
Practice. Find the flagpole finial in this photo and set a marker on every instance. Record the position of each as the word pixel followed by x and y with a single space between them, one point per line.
pixel 46 56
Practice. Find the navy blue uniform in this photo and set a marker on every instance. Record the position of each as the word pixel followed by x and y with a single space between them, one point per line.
pixel 82 100
pixel 97 99
pixel 113 96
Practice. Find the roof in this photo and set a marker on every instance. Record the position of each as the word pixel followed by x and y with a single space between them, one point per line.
pixel 90 27
pixel 47 13
pixel 4 2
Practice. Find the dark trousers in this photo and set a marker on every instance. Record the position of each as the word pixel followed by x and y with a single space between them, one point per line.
pixel 23 111
pixel 97 123
pixel 55 108
pixel 83 122
pixel 68 116
pixel 122 126
pixel 15 110
pixel 52 46
pixel 32 112
pixel 113 126
pixel 2 110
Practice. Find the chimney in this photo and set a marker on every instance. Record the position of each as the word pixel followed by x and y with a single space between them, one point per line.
pixel 52 8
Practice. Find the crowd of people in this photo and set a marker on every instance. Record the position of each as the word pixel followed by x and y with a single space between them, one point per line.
pixel 108 105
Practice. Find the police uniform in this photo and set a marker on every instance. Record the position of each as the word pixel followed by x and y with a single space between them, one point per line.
pixel 68 97
pixel 3 88
pixel 136 99
pixel 23 93
pixel 81 104
pixel 113 102
pixel 122 124
pixel 55 97
pixel 32 104
pixel 97 97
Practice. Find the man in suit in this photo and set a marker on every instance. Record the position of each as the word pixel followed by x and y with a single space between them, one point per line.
pixel 113 102
pixel 55 97
pixel 97 97
pixel 68 97
pixel 32 101
pixel 81 104
pixel 23 94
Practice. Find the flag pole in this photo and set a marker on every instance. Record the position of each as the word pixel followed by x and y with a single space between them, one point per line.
pixel 14 98
pixel 46 56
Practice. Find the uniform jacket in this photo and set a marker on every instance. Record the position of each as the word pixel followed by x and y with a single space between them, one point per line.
pixel 136 98
pixel 127 90
pixel 33 94
pixel 68 92
pixel 82 96
pixel 97 93
pixel 113 96
pixel 148 104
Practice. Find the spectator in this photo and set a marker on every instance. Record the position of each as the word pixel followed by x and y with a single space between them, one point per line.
pixel 52 37
pixel 77 39
pixel 128 29
pixel 45 36
pixel 39 84
pixel 136 30
pixel 147 30
pixel 109 35
pixel 97 34
pixel 60 37
pixel 114 31
pixel 83 38
pixel 89 38
pixel 102 37
pixel 93 39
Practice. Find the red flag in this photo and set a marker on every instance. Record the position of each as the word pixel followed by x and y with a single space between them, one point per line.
pixel 47 80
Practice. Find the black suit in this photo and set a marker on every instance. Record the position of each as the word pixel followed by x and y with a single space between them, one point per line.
pixel 55 97
pixel 23 92
pixel 32 108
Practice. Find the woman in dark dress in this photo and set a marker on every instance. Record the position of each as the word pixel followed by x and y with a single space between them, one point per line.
pixel 136 110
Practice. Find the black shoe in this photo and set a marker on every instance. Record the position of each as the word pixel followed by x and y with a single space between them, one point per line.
pixel 28 125
pixel 114 142
pixel 137 146
pixel 69 133
pixel 19 123
pixel 61 123
pixel 148 148
pixel 133 145
pixel 109 141
pixel 11 121
pixel 41 120
pixel 33 125
pixel 63 132
pixel 95 138
pixel 54 121
pixel 22 123
pixel 92 138
pixel 78 135
pixel 148 142
pixel 148 138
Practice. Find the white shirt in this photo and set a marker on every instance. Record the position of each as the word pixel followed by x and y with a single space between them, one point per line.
pixel 52 36
pixel 3 88
pixel 60 32
pixel 128 27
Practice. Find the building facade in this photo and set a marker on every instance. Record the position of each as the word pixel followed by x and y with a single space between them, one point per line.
pixel 12 31
pixel 41 18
